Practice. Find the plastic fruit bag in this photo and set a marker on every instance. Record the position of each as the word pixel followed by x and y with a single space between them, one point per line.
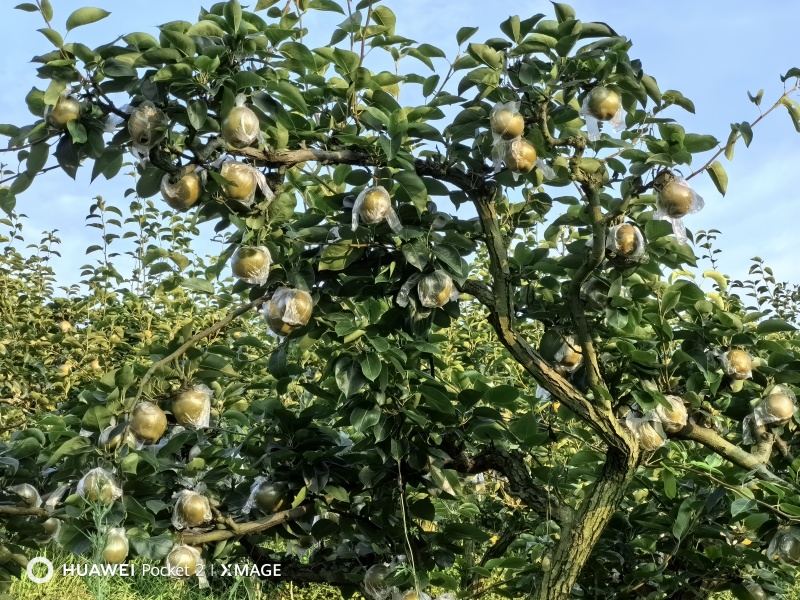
pixel 241 127
pixel 601 104
pixel 251 264
pixel 374 205
pixel 29 494
pixel 192 407
pixel 287 310
pixel 674 418
pixel 99 485
pixel 647 430
pixel 147 125
pixel 737 364
pixel 676 200
pixel 626 241
pixel 181 193
pixel 570 356
pixel 505 121
pixel 245 180
pixel 191 510
pixel 116 548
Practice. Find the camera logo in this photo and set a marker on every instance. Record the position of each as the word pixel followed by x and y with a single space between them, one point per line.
pixel 40 560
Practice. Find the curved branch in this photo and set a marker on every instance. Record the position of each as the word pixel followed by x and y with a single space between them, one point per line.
pixel 713 441
pixel 240 529
pixel 193 340
pixel 511 465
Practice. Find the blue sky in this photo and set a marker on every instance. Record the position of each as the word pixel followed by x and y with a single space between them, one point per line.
pixel 713 51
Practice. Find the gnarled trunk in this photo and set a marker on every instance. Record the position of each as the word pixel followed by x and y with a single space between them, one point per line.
pixel 579 536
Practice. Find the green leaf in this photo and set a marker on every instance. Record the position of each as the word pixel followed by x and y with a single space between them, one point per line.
pixel 337 257
pixel 718 175
pixel 37 158
pixel 70 447
pixel 465 33
pixel 364 418
pixel 107 164
pixel 370 366
pixel 486 55
pixel 411 188
pixel 198 285
pixel 53 36
pixel 262 4
pixel 328 5
pixel 197 111
pixel 385 18
pixel 85 16
pixel 47 10
pixel 348 375
pixel 152 548
pixel 462 531
pixel 68 156
pixel 27 7
pixel 774 326
pixel 695 143
pixel 233 14
pixel 675 97
pixel 564 12
pixel 511 27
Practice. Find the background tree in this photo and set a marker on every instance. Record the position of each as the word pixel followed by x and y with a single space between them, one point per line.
pixel 375 407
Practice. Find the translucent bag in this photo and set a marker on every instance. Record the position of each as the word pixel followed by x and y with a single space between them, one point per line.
pixel 241 127
pixel 676 199
pixel 181 194
pixel 505 121
pixel 595 293
pixel 626 241
pixel 646 429
pixel 374 205
pixel 251 264
pixel 570 356
pixel 674 418
pixel 29 494
pixel 192 408
pixel 592 120
pixel 191 510
pixel 67 108
pixel 184 562
pixel 147 125
pixel 109 441
pixel 287 310
pixel 116 547
pixel 374 584
pixel 785 547
pixel 777 408
pixel 245 180
pixel 737 364
pixel 99 485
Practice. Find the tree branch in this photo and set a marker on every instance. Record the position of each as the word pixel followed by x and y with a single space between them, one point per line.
pixel 23 511
pixel 713 441
pixel 593 260
pixel 511 465
pixel 193 340
pixel 240 529
pixel 600 419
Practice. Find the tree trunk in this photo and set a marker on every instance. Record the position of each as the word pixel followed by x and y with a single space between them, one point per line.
pixel 578 537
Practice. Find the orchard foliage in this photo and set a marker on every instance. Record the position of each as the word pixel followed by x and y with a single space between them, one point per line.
pixel 376 413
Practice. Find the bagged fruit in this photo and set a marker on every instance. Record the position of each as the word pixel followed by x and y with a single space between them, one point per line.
pixel 675 417
pixel 251 264
pixel 676 200
pixel 646 429
pixel 626 241
pixel 601 104
pixel 374 205
pixel 98 485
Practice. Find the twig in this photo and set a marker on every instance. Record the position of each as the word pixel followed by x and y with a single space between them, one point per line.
pixel 238 529
pixel 193 340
